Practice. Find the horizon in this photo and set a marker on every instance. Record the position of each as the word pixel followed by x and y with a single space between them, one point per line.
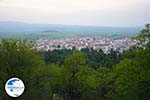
pixel 76 25
pixel 114 13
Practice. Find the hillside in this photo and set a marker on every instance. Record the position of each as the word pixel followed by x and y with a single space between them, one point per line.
pixel 21 30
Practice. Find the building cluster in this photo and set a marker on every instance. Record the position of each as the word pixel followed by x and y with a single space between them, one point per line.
pixel 97 43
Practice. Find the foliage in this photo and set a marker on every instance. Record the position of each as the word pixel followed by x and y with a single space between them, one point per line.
pixel 144 36
pixel 94 58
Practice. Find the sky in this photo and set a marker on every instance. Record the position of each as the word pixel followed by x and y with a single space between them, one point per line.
pixel 77 12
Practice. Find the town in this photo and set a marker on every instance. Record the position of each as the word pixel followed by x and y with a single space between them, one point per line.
pixel 97 43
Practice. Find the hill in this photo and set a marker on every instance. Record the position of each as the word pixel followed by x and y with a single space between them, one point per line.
pixel 21 30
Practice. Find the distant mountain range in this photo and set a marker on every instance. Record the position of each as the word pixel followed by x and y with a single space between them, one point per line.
pixel 35 31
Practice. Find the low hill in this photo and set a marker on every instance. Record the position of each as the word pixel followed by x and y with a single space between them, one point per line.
pixel 21 30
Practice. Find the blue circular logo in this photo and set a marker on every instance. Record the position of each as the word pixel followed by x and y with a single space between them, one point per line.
pixel 14 87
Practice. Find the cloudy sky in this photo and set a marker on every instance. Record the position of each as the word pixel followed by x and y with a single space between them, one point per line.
pixel 77 12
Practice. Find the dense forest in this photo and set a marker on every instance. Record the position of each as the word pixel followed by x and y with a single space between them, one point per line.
pixel 77 75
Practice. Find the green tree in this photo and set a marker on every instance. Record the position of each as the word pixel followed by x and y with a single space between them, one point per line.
pixel 144 36
pixel 16 58
pixel 73 65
